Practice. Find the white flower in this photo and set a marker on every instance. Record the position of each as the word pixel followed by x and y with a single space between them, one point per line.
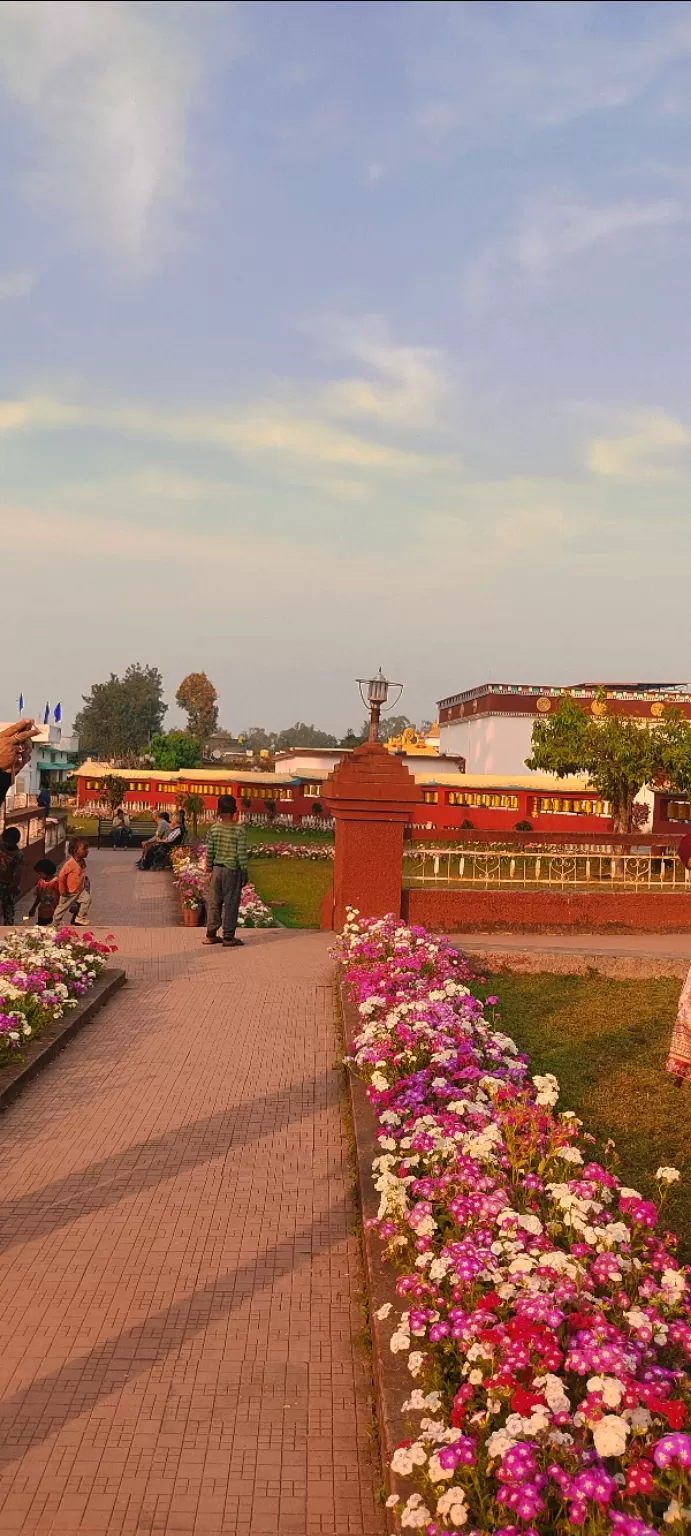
pixel 399 1341
pixel 384 1311
pixel 500 1442
pixel 415 1514
pixel 674 1512
pixel 379 1082
pixel 452 1506
pixel 673 1281
pixel 610 1389
pixel 570 1155
pixel 668 1175
pixel 392 1501
pixel 415 1362
pixel 436 1472
pixel 547 1089
pixel 610 1435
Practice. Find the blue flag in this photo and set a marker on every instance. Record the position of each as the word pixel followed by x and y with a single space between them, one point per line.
pixel 57 714
pixel 21 703
pixel 46 716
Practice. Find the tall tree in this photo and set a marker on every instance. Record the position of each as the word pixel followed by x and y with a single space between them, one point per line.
pixel 301 735
pixel 120 716
pixel 619 755
pixel 197 696
pixel 176 749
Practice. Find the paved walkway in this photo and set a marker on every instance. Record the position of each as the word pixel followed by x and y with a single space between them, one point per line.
pixel 614 954
pixel 178 1273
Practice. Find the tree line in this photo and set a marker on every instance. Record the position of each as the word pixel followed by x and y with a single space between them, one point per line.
pixel 121 720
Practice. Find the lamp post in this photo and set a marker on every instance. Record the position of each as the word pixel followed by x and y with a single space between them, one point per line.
pixel 376 698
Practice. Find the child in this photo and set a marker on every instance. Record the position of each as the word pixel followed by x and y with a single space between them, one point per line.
pixel 46 895
pixel 11 859
pixel 73 887
pixel 226 862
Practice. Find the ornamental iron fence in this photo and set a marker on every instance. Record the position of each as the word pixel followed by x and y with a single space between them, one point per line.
pixel 511 868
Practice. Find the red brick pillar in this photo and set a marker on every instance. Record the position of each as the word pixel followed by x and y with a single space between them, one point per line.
pixel 371 797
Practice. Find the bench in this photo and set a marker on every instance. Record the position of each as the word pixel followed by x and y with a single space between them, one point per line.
pixel 139 832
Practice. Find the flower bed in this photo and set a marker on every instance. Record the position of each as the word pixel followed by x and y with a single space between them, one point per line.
pixel 292 851
pixel 192 883
pixel 547 1324
pixel 42 974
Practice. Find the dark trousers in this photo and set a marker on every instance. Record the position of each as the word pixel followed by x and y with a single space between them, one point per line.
pixel 7 902
pixel 226 890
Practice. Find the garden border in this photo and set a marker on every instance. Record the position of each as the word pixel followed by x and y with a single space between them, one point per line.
pixel 13 1080
pixel 392 1379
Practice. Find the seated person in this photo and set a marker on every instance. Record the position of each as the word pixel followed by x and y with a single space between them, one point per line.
pixel 121 828
pixel 171 839
pixel 162 824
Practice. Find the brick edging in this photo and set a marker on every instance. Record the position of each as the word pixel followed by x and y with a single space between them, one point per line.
pixel 13 1080
pixel 392 1379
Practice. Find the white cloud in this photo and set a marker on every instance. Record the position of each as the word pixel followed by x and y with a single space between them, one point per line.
pixel 643 454
pixel 554 230
pixel 404 385
pixel 560 230
pixel 481 73
pixel 107 91
pixel 267 430
pixel 17 285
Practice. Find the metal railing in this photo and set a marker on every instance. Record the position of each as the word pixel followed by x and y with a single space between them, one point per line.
pixel 507 868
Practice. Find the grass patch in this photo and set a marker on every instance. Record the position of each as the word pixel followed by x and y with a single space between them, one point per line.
pixel 607 1043
pixel 297 884
pixel 257 835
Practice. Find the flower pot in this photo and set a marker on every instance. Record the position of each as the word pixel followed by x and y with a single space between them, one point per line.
pixel 192 916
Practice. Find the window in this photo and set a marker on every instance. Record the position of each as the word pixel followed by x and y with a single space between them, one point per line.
pixel 678 810
pixel 430 796
pixel 285 794
pixel 551 805
pixel 312 791
pixel 163 789
pixel 474 797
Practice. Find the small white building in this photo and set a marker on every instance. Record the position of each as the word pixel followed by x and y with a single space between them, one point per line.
pixel 52 759
pixel 306 762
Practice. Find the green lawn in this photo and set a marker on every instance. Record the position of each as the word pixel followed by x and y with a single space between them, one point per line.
pixel 298 884
pixel 607 1041
pixel 286 835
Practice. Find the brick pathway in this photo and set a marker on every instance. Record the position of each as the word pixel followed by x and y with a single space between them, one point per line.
pixel 178 1274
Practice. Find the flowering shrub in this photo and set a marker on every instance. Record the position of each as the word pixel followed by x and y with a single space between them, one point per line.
pixel 253 911
pixel 192 882
pixel 547 1323
pixel 292 851
pixel 42 973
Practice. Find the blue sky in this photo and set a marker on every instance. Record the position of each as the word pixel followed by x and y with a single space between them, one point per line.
pixel 338 335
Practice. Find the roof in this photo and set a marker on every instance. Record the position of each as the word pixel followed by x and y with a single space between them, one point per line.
pixel 95 770
pixel 311 752
pixel 482 781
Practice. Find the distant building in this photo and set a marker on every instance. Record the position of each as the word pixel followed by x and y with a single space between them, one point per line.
pixel 491 727
pixel 222 745
pixel 52 759
pixel 303 761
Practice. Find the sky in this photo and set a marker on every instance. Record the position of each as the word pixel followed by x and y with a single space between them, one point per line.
pixel 340 335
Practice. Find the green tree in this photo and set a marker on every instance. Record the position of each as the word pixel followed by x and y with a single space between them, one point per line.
pixel 301 735
pixel 120 716
pixel 197 696
pixel 113 789
pixel 193 805
pixel 618 755
pixel 176 749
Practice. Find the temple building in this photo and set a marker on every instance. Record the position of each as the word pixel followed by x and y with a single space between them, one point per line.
pixel 491 727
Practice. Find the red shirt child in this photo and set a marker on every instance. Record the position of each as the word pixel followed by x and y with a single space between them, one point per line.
pixel 46 894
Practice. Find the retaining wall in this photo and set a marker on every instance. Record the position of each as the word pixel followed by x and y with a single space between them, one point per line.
pixel 520 911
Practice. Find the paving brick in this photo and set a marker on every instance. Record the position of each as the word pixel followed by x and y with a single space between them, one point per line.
pixel 178 1274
